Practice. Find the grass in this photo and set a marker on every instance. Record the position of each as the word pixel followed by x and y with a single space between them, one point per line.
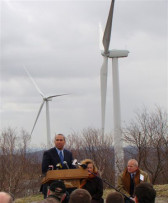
pixel 29 199
pixel 162 191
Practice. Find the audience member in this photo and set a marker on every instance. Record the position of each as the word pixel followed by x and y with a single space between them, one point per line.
pixel 114 197
pixel 145 193
pixel 80 196
pixel 131 177
pixel 56 193
pixel 93 184
pixel 5 197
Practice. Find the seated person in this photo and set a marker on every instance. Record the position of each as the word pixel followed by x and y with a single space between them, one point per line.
pixel 131 177
pixel 92 184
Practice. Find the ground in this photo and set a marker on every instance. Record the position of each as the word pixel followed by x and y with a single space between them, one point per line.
pixel 161 200
pixel 161 190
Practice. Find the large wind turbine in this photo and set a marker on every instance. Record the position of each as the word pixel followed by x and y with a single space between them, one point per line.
pixel 114 54
pixel 45 99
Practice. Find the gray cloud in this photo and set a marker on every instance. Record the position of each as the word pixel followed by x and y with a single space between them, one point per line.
pixel 58 41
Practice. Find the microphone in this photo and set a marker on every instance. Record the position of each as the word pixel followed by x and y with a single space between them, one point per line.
pixel 50 167
pixel 75 162
pixel 64 162
pixel 58 166
pixel 84 166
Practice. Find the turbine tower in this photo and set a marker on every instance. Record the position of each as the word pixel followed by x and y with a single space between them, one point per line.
pixel 45 99
pixel 114 55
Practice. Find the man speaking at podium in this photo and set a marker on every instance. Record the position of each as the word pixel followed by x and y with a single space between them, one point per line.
pixel 56 158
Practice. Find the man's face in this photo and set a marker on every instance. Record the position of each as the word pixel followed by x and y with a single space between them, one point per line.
pixel 59 142
pixel 131 166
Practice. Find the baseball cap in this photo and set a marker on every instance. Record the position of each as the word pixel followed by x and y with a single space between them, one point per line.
pixel 58 186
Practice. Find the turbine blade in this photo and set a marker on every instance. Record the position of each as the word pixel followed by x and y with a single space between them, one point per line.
pixel 34 83
pixel 42 104
pixel 100 37
pixel 103 83
pixel 107 32
pixel 57 95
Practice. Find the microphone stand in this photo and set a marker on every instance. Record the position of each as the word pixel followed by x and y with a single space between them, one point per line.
pixel 105 181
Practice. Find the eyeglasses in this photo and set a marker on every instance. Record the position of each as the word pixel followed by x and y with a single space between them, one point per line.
pixel 59 140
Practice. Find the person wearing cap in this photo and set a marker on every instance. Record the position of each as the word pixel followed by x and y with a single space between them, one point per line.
pixel 56 193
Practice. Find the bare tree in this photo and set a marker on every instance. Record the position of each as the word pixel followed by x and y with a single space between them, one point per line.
pixel 148 135
pixel 15 163
pixel 90 143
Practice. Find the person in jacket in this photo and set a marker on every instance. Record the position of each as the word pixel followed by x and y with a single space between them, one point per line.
pixel 56 192
pixel 56 158
pixel 130 178
pixel 93 184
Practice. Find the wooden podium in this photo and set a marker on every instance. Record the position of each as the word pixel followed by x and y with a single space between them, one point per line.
pixel 71 177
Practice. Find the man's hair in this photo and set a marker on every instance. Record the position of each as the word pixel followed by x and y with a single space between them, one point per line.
pixel 145 193
pixel 114 197
pixel 60 134
pixel 134 162
pixel 80 195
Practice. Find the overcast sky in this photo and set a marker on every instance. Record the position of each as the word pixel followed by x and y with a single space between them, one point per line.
pixel 58 42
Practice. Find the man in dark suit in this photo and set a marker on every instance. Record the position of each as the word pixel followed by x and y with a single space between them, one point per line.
pixel 56 158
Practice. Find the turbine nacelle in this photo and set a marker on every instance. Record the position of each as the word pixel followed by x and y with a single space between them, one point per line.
pixel 47 99
pixel 114 53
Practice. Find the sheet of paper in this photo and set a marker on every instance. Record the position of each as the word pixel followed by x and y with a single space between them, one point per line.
pixel 141 177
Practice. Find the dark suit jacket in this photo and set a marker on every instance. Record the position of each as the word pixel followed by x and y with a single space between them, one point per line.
pixel 51 157
pixel 95 187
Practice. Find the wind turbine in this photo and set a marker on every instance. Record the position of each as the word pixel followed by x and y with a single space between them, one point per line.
pixel 45 99
pixel 114 55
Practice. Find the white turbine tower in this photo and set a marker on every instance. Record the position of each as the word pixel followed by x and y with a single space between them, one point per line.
pixel 114 54
pixel 45 99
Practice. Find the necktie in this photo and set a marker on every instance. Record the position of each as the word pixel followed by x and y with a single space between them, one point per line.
pixel 61 157
pixel 132 185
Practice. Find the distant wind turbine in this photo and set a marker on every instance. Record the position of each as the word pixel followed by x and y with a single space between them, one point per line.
pixel 114 54
pixel 45 99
